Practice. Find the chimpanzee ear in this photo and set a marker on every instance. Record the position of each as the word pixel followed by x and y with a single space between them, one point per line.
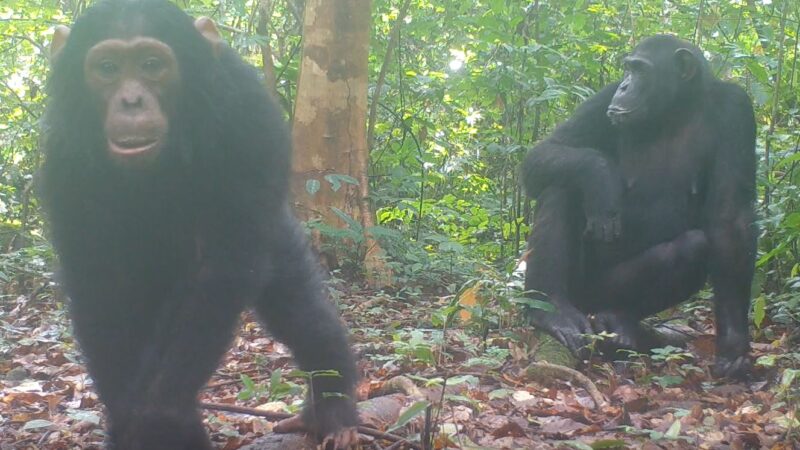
pixel 60 35
pixel 209 30
pixel 687 63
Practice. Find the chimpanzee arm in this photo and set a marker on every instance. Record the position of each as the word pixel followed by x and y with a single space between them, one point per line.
pixel 575 155
pixel 730 228
pixel 578 156
pixel 298 313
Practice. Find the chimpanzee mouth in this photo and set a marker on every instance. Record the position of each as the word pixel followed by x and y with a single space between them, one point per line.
pixel 621 115
pixel 133 146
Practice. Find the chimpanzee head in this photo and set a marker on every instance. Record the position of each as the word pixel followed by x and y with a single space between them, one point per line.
pixel 130 74
pixel 662 74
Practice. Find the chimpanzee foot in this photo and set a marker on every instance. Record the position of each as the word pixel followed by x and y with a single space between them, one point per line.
pixel 568 325
pixel 342 439
pixel 629 334
pixel 739 368
pixel 333 424
pixel 160 429
pixel 624 331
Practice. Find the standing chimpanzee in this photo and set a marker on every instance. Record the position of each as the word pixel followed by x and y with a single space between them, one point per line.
pixel 642 194
pixel 166 186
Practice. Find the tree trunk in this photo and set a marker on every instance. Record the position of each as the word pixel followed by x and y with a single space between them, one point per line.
pixel 329 128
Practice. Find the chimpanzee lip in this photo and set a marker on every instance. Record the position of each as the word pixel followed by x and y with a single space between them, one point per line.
pixel 620 111
pixel 133 146
pixel 619 115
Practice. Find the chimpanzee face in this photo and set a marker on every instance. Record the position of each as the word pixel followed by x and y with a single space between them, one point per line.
pixel 651 84
pixel 134 84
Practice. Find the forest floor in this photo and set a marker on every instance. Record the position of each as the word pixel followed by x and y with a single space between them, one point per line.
pixel 491 398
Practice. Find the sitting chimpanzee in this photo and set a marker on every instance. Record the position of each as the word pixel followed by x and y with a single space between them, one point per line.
pixel 166 187
pixel 642 194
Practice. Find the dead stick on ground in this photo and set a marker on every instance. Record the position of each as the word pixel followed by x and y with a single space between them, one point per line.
pixel 542 370
pixel 275 416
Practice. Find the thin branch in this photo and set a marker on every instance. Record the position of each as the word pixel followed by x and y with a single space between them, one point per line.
pixel 393 42
pixel 274 416
pixel 775 101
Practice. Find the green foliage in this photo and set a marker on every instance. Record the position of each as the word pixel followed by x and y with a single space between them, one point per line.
pixel 414 347
pixel 413 411
pixel 275 389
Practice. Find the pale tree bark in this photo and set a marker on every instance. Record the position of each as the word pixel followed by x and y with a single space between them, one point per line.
pixel 329 128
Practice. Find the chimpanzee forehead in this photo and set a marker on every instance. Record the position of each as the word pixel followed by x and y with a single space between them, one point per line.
pixel 129 27
pixel 657 48
pixel 126 19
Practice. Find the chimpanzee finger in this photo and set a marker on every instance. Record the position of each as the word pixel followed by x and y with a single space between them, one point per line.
pixel 344 439
pixel 588 231
pixel 575 343
pixel 608 231
pixel 293 424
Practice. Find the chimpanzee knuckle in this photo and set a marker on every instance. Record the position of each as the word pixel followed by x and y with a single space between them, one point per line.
pixel 608 232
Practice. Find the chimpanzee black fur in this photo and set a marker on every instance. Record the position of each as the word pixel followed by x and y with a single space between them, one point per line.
pixel 160 257
pixel 644 193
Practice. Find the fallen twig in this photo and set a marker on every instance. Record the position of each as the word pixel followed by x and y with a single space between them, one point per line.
pixel 276 416
pixel 542 370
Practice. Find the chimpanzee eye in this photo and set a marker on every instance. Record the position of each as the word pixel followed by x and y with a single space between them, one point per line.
pixel 152 65
pixel 108 67
pixel 635 66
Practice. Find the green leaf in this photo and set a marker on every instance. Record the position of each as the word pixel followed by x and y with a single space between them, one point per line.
pixel 312 186
pixel 577 445
pixel 500 393
pixel 757 70
pixel 336 180
pixel 668 380
pixel 788 377
pixel 674 430
pixel 37 424
pixel 346 219
pixel 247 381
pixel 275 378
pixel 767 360
pixel 792 221
pixel 609 444
pixel 412 412
pixel 84 416
pixel 533 303
pixel 759 311
pixel 469 380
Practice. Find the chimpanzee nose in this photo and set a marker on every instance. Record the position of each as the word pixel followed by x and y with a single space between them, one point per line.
pixel 132 101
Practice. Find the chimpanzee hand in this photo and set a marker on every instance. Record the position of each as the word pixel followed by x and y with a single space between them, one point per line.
pixel 624 329
pixel 734 368
pixel 566 324
pixel 603 226
pixel 602 200
pixel 733 346
pixel 333 421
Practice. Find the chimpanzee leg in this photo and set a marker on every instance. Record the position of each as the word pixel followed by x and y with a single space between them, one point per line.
pixel 192 331
pixel 653 281
pixel 112 333
pixel 658 278
pixel 298 314
pixel 553 267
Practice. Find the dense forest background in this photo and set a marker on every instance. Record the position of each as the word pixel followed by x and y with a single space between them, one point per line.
pixel 461 90
pixel 468 88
